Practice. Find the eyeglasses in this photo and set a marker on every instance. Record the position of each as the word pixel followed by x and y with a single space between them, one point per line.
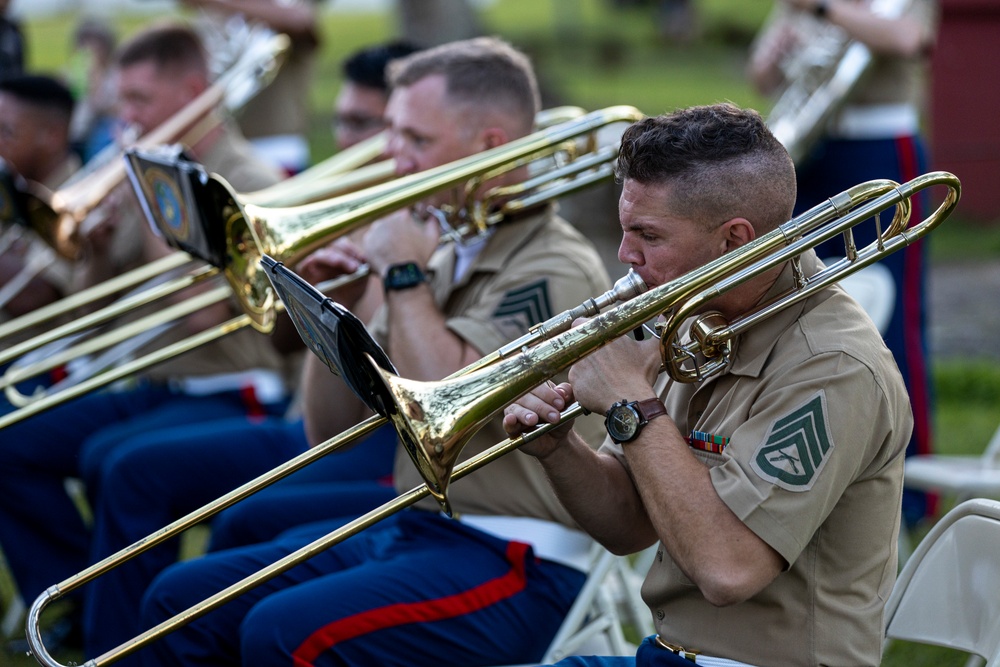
pixel 357 122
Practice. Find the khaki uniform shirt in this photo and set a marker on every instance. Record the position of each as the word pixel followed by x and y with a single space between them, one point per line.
pixel 818 420
pixel 890 79
pixel 230 157
pixel 283 106
pixel 895 79
pixel 531 269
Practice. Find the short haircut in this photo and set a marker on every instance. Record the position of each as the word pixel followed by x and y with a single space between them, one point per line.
pixel 42 92
pixel 367 67
pixel 93 30
pixel 486 72
pixel 170 46
pixel 722 161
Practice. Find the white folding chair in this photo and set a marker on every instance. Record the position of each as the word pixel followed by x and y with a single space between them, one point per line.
pixel 964 477
pixel 959 476
pixel 593 626
pixel 946 594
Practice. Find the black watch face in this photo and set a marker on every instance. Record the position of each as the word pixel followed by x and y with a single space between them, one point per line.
pixel 622 423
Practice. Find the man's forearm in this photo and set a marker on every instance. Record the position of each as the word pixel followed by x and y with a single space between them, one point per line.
pixel 597 491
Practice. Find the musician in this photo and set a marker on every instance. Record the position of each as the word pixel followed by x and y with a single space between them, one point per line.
pixel 876 134
pixel 773 489
pixel 44 537
pixel 11 44
pixel 157 476
pixel 277 118
pixel 359 110
pixel 35 113
pixel 419 588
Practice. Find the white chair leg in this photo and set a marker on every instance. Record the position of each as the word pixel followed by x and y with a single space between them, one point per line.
pixel 13 618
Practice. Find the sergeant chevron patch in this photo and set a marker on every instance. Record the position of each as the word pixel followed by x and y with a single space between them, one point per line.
pixel 796 447
pixel 530 303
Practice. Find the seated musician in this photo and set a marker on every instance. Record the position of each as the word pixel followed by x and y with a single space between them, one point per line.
pixel 42 532
pixel 774 488
pixel 35 112
pixel 419 588
pixel 162 474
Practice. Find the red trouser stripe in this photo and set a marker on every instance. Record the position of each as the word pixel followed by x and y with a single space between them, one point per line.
pixel 912 336
pixel 424 611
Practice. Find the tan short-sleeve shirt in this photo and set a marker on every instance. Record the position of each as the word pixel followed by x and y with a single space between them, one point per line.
pixel 230 157
pixel 531 269
pixel 817 418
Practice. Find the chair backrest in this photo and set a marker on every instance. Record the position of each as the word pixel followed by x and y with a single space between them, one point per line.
pixel 947 594
pixel 992 452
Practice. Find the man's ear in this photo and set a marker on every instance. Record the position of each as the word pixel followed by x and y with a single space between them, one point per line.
pixel 493 137
pixel 737 232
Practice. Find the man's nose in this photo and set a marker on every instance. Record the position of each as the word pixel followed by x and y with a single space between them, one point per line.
pixel 627 254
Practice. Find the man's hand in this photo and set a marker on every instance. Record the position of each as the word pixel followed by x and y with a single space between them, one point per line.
pixel 543 405
pixel 623 369
pixel 340 258
pixel 399 238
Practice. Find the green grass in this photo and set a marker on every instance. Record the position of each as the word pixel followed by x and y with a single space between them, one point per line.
pixel 590 55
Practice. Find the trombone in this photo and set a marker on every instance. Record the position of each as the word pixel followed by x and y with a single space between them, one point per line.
pixel 59 217
pixel 484 388
pixel 291 233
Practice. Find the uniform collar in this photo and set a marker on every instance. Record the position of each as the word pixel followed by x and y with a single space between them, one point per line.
pixel 510 236
pixel 754 347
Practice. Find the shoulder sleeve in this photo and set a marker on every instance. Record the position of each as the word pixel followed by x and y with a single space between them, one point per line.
pixel 539 283
pixel 815 428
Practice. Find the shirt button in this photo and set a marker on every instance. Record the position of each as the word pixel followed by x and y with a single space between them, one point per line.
pixel 660 615
pixel 659 555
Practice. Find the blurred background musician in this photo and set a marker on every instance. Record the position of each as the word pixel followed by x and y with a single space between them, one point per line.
pixel 91 76
pixel 876 134
pixel 159 475
pixel 435 310
pixel 11 44
pixel 35 112
pixel 43 535
pixel 277 118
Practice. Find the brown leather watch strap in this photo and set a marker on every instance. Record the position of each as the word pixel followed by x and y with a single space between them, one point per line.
pixel 650 408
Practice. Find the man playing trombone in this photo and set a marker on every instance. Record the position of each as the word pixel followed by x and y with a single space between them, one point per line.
pixel 419 588
pixel 773 488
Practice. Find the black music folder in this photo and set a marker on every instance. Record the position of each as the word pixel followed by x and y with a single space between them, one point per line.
pixel 182 201
pixel 335 335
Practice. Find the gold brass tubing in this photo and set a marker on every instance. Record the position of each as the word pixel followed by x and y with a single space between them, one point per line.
pixel 125 370
pixel 117 335
pixel 104 289
pixel 109 312
pixel 402 501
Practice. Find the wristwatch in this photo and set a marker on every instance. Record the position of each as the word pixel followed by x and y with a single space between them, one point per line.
pixel 624 420
pixel 403 276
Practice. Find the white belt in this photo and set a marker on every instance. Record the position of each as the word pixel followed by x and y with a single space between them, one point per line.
pixel 696 658
pixel 875 121
pixel 287 150
pixel 549 540
pixel 268 386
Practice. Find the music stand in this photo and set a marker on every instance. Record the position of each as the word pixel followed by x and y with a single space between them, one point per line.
pixel 335 335
pixel 181 201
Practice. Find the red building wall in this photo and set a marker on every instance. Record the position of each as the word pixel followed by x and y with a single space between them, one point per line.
pixel 965 103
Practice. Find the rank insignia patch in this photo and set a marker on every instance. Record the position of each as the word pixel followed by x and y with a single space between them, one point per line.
pixel 796 447
pixel 529 303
